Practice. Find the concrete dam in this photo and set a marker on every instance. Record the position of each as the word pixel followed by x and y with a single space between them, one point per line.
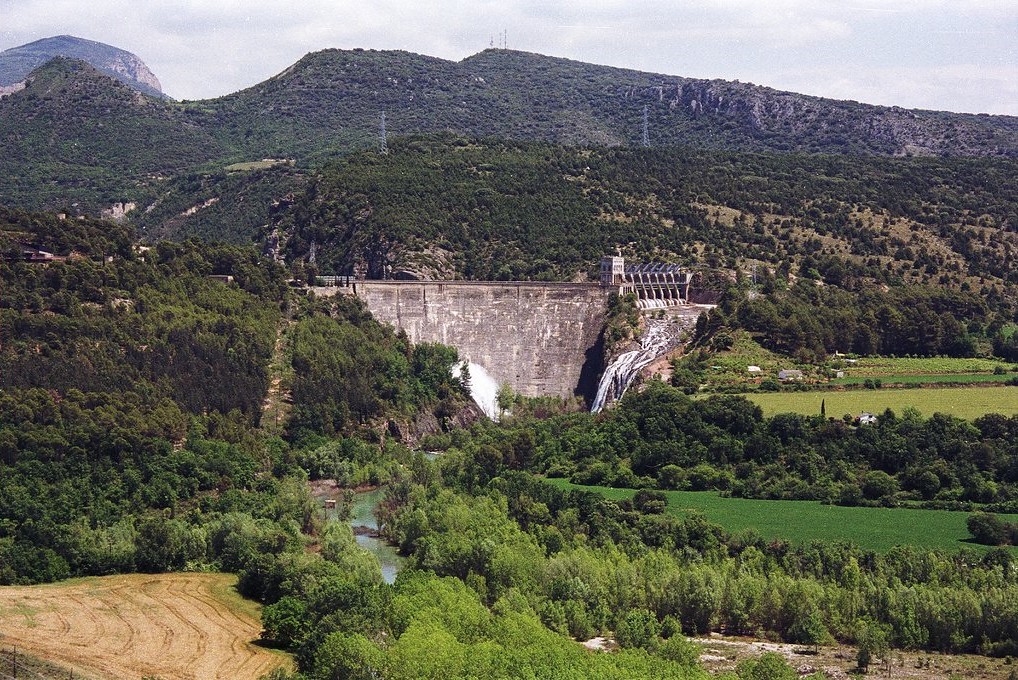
pixel 542 339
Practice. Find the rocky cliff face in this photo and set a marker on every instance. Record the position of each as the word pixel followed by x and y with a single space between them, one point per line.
pixel 17 62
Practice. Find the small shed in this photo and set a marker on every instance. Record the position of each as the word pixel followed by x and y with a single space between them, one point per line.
pixel 866 418
pixel 790 374
pixel 754 369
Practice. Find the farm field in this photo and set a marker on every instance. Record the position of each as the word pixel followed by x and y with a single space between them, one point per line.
pixel 964 402
pixel 878 529
pixel 928 379
pixel 173 626
pixel 877 367
pixel 925 370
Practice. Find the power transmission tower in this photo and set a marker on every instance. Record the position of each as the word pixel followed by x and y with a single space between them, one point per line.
pixel 646 127
pixel 384 148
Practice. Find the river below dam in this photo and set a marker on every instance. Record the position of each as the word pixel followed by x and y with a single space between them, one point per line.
pixel 364 524
pixel 365 530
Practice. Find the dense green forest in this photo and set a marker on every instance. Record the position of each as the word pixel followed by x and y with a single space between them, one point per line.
pixel 131 388
pixel 229 204
pixel 810 322
pixel 451 207
pixel 351 369
pixel 660 438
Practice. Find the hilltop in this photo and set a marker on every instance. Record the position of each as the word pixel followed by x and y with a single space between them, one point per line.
pixel 18 62
pixel 335 97
pixel 74 134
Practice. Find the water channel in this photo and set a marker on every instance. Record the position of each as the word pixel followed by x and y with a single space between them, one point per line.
pixel 365 524
pixel 365 528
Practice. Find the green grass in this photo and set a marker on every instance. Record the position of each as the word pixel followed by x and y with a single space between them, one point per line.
pixel 878 529
pixel 964 402
pixel 879 367
pixel 951 378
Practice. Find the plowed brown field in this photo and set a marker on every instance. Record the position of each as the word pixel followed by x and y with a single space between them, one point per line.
pixel 175 626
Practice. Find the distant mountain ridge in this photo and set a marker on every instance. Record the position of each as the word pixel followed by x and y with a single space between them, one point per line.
pixel 73 138
pixel 18 62
pixel 337 96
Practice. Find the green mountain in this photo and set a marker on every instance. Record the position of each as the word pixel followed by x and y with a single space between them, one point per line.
pixel 76 140
pixel 74 135
pixel 18 62
pixel 334 98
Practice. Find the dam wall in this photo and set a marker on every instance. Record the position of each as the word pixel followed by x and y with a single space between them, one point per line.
pixel 543 339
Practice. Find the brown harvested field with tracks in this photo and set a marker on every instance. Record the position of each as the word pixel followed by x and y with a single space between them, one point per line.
pixel 175 626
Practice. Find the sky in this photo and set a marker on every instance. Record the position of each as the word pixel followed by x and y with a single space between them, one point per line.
pixel 954 55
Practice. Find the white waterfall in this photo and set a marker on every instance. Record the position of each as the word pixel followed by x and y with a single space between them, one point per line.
pixel 658 304
pixel 483 388
pixel 661 335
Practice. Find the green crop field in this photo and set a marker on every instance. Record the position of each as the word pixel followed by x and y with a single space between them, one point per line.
pixel 964 402
pixel 877 367
pixel 878 529
pixel 946 378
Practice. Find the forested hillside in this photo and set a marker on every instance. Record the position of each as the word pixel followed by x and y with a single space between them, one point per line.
pixel 131 389
pixel 451 207
pixel 76 135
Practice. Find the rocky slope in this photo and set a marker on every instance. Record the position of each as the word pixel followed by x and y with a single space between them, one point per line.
pixel 17 62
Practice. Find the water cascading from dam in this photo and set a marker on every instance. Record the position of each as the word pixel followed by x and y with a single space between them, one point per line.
pixel 658 304
pixel 483 388
pixel 661 335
